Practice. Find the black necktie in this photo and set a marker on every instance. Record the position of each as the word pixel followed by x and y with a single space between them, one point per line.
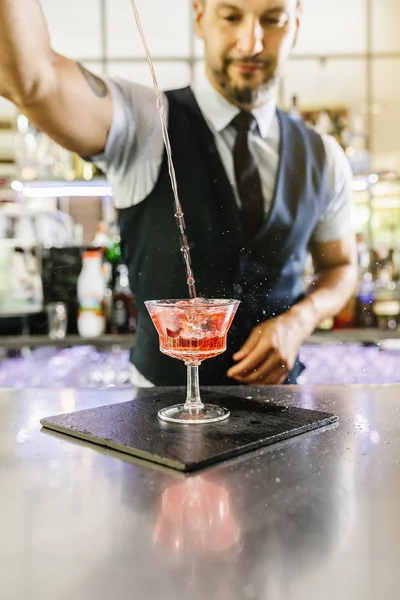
pixel 247 176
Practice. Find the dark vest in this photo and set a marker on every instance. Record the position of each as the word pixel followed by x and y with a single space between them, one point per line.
pixel 265 273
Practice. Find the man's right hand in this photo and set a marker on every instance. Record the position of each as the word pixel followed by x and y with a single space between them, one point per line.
pixel 59 96
pixel 269 353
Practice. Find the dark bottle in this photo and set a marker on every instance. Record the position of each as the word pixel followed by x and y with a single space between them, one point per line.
pixel 123 313
pixel 364 313
pixel 391 264
pixel 345 318
pixel 294 111
pixel 387 299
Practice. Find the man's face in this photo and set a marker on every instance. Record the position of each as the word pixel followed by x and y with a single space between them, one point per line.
pixel 247 43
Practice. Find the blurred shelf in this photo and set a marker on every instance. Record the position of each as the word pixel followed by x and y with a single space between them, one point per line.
pixel 365 336
pixel 18 311
pixel 60 188
pixel 368 336
pixel 100 186
pixel 36 341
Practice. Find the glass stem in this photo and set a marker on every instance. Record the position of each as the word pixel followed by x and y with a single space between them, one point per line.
pixel 193 400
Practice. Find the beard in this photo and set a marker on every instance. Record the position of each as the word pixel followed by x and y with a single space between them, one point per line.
pixel 247 95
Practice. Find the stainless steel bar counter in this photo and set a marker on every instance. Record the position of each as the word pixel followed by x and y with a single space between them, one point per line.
pixel 315 517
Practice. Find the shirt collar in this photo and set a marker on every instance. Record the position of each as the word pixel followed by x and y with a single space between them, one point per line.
pixel 219 112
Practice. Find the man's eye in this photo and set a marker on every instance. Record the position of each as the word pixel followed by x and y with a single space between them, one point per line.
pixel 232 18
pixel 275 21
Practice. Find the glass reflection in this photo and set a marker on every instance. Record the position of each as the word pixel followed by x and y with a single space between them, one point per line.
pixel 196 516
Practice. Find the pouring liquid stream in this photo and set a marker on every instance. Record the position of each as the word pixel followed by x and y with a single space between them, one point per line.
pixel 179 217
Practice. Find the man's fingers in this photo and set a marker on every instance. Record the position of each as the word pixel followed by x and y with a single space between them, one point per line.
pixel 268 381
pixel 253 360
pixel 248 346
pixel 276 377
pixel 273 368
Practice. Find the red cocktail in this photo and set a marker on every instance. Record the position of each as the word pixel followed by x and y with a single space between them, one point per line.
pixel 192 331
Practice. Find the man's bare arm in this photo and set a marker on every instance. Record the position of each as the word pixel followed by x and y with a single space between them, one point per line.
pixel 62 98
pixel 335 266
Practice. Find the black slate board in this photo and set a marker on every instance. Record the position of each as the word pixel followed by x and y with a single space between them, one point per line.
pixel 134 428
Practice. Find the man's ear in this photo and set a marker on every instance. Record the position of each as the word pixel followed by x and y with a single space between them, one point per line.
pixel 299 16
pixel 299 12
pixel 198 6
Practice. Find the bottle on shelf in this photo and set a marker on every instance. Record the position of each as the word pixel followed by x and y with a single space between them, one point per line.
pixel 364 316
pixel 386 305
pixel 345 318
pixel 113 253
pixel 83 170
pixel 364 311
pixel 123 314
pixel 392 264
pixel 101 239
pixel 357 152
pixel 294 110
pixel 37 157
pixel 102 243
pixel 326 324
pixel 27 140
pixel 113 258
pixel 91 288
pixel 324 125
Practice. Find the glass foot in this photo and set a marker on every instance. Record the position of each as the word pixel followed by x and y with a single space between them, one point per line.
pixel 208 413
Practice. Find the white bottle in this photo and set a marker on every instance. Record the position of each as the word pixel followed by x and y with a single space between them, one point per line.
pixel 91 293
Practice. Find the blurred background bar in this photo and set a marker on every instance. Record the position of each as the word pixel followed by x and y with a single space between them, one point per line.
pixel 342 80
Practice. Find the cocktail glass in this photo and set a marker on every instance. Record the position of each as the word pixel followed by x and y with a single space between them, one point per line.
pixel 192 330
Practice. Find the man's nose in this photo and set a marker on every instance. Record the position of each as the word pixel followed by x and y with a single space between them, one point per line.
pixel 250 37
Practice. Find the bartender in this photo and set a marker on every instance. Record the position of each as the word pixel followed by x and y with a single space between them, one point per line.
pixel 259 190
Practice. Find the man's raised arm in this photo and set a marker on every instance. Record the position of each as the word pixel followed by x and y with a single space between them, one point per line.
pixel 58 95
